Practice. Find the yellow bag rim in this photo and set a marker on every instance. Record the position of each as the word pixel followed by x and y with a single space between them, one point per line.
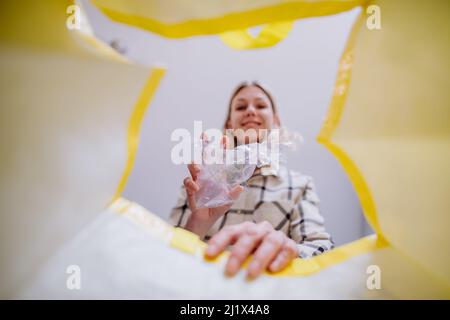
pixel 233 21
pixel 189 243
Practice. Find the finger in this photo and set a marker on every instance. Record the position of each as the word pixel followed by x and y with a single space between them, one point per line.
pixel 249 240
pixel 225 237
pixel 233 194
pixel 225 142
pixel 229 140
pixel 286 255
pixel 190 185
pixel 236 192
pixel 191 189
pixel 194 170
pixel 205 143
pixel 266 252
pixel 204 137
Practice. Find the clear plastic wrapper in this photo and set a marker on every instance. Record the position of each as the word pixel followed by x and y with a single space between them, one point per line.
pixel 223 169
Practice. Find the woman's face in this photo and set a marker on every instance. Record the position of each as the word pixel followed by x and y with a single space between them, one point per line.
pixel 251 109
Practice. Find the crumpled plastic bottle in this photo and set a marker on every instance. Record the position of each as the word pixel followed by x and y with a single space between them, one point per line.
pixel 223 169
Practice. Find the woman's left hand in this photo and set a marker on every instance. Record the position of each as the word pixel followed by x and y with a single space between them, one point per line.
pixel 271 249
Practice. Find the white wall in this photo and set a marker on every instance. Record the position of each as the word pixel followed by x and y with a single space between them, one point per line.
pixel 201 73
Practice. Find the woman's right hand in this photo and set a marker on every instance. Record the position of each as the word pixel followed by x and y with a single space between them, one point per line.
pixel 202 219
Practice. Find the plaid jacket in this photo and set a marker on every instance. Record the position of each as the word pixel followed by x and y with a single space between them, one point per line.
pixel 282 197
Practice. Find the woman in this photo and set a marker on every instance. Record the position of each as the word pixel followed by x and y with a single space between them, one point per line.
pixel 276 219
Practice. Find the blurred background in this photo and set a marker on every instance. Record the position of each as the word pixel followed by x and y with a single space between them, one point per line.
pixel 201 74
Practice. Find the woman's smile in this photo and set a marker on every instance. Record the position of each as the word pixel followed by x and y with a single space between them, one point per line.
pixel 251 124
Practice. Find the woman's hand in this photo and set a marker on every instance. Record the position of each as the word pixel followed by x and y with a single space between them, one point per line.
pixel 202 219
pixel 272 250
